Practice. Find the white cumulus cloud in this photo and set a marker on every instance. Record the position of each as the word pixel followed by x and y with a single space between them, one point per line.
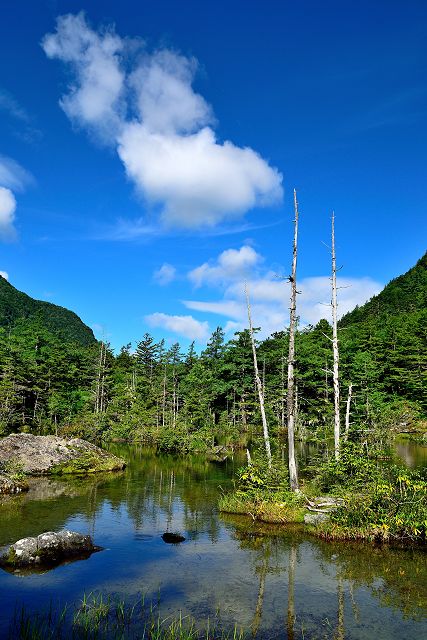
pixel 230 264
pixel 270 295
pixel 95 96
pixel 13 177
pixel 7 214
pixel 165 275
pixel 145 104
pixel 4 274
pixel 185 326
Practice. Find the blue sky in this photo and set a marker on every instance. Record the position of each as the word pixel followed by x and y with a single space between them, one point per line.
pixel 148 153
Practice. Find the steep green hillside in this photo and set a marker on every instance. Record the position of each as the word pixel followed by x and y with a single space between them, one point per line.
pixel 384 342
pixel 15 306
pixel 405 294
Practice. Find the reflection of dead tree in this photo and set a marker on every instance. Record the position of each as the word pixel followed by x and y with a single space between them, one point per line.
pixel 290 621
pixel 260 599
pixel 262 571
pixel 354 606
pixel 340 632
pixel 170 501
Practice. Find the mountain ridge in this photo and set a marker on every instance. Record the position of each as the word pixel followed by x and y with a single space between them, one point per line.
pixel 16 305
pixel 406 293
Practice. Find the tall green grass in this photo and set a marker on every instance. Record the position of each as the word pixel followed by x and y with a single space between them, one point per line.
pixel 105 617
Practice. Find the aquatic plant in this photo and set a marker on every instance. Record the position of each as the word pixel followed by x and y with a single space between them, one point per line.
pixel 102 616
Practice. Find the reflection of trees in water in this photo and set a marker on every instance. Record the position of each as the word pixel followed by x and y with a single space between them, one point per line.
pixel 397 578
pixel 162 487
pixel 151 489
pixel 267 558
pixel 340 631
pixel 263 547
pixel 290 618
pixel 155 490
pixel 51 502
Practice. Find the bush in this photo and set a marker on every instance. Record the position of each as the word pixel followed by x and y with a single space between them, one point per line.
pixel 353 469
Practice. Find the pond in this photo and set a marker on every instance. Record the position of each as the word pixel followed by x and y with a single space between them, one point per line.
pixel 272 582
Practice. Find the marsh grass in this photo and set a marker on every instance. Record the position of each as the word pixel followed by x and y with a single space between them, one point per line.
pixel 379 502
pixel 281 508
pixel 106 617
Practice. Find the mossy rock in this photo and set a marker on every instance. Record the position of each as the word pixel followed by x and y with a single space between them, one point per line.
pixel 86 463
pixel 41 455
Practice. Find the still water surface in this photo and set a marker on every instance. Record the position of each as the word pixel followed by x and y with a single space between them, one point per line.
pixel 274 583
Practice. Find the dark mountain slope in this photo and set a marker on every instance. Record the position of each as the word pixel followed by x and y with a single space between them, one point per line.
pixel 17 306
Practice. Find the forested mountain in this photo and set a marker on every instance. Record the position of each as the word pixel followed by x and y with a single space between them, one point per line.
pixel 16 306
pixel 405 294
pixel 54 376
pixel 389 335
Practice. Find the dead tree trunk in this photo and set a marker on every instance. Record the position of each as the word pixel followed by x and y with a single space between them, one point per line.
pixel 258 382
pixel 99 390
pixel 347 412
pixel 293 475
pixel 337 424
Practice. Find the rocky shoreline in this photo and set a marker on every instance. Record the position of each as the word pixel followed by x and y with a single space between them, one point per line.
pixel 24 454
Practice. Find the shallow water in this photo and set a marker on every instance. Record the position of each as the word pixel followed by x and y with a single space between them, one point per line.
pixel 272 582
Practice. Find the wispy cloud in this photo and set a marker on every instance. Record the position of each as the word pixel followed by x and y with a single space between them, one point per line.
pixel 143 103
pixel 127 229
pixel 11 106
pixel 13 176
pixel 165 275
pixel 25 130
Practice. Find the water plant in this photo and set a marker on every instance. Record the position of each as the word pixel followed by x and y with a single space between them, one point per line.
pixel 101 616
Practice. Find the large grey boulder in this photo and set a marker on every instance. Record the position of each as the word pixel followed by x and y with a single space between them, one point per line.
pixel 47 549
pixel 39 455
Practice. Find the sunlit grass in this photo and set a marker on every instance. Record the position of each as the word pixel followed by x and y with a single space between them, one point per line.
pixel 101 617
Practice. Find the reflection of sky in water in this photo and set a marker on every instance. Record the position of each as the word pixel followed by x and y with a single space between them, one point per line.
pixel 219 565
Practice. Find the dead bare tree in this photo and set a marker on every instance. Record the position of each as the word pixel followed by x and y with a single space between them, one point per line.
pixel 100 380
pixel 335 349
pixel 293 475
pixel 258 382
pixel 347 411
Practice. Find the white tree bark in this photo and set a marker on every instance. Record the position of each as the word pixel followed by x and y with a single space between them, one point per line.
pixel 99 391
pixel 337 425
pixel 347 411
pixel 293 475
pixel 258 382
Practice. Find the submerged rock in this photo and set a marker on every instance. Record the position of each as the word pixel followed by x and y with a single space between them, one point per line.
pixel 172 538
pixel 48 548
pixel 38 455
pixel 9 485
